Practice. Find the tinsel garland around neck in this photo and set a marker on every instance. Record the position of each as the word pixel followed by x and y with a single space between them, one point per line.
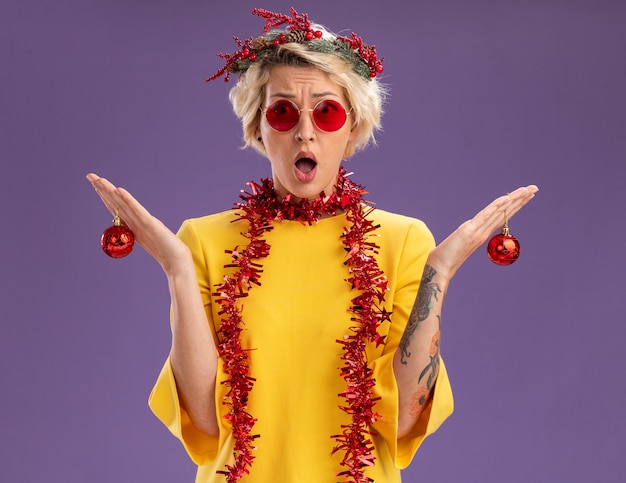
pixel 260 209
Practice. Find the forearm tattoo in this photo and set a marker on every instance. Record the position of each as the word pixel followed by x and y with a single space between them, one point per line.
pixel 420 397
pixel 421 310
pixel 432 368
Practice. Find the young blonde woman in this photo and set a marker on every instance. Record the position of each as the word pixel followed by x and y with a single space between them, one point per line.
pixel 305 324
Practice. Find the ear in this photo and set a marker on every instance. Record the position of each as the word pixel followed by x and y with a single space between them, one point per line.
pixel 258 137
pixel 354 132
pixel 257 142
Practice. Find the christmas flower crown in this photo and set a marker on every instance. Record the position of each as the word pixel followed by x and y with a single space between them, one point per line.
pixel 363 57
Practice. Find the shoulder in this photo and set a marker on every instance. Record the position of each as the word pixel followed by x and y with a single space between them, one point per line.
pixel 403 244
pixel 223 227
pixel 209 222
pixel 397 223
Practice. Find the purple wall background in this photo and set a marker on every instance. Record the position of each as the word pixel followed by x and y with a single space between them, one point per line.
pixel 486 96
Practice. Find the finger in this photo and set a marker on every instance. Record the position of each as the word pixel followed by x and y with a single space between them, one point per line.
pixel 120 202
pixel 130 210
pixel 520 198
pixel 516 200
pixel 513 201
pixel 105 190
pixel 493 216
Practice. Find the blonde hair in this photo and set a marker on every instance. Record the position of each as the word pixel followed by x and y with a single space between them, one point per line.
pixel 365 96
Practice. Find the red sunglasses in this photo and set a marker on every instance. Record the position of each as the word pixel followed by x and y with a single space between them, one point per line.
pixel 284 115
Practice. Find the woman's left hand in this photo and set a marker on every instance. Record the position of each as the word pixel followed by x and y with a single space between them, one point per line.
pixel 450 254
pixel 422 333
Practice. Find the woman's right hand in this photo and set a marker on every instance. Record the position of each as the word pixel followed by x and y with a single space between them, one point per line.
pixel 193 355
pixel 158 240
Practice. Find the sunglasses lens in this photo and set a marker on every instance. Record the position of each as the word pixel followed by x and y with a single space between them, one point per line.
pixel 329 115
pixel 282 115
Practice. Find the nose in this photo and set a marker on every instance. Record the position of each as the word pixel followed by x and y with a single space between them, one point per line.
pixel 306 127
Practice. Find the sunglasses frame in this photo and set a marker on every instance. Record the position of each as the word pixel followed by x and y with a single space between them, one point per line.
pixel 300 110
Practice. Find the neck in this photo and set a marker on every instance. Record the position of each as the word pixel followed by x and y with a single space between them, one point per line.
pixel 268 203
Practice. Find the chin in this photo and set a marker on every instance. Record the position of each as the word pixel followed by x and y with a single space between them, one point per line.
pixel 309 190
pixel 309 194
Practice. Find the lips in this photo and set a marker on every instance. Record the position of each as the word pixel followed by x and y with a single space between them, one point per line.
pixel 305 169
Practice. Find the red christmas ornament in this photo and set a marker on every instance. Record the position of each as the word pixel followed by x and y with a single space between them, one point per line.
pixel 118 240
pixel 503 248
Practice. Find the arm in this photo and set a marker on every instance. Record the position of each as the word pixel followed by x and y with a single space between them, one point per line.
pixel 193 351
pixel 416 361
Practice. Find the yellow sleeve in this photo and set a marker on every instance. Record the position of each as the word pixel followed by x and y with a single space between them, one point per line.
pixel 417 245
pixel 434 414
pixel 165 405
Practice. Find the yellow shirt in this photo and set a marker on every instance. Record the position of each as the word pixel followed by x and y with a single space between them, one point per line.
pixel 292 322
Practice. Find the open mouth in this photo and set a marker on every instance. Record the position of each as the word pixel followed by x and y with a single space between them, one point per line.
pixel 305 169
pixel 306 165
